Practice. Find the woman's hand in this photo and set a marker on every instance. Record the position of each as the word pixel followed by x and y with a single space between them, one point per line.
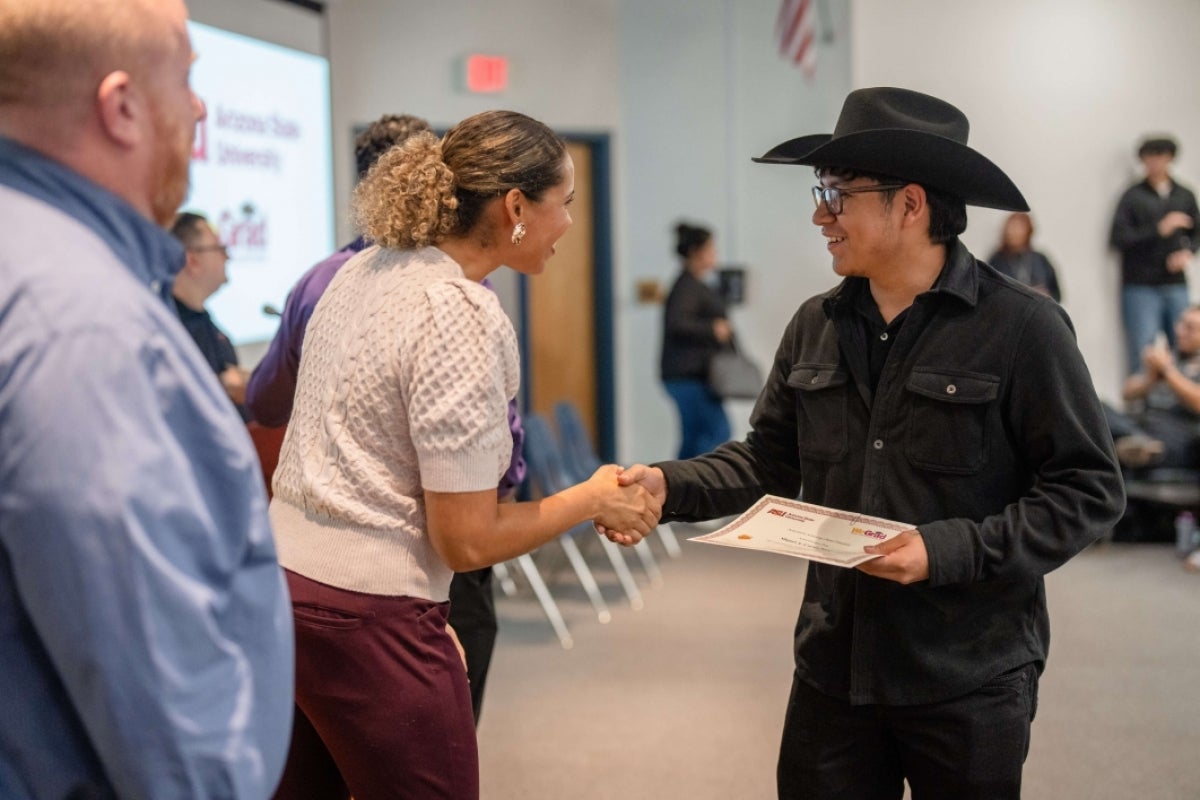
pixel 722 330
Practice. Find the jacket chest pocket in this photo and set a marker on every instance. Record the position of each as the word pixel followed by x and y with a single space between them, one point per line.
pixel 820 410
pixel 947 428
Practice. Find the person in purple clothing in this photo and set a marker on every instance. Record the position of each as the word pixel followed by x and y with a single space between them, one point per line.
pixel 272 387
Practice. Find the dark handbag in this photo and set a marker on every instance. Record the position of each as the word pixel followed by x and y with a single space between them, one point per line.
pixel 733 376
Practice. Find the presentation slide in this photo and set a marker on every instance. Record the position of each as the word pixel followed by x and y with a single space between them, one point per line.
pixel 261 171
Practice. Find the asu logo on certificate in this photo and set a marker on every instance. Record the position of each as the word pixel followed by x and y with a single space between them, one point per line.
pixel 802 530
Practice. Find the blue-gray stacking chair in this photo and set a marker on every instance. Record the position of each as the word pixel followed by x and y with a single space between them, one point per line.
pixel 582 461
pixel 548 475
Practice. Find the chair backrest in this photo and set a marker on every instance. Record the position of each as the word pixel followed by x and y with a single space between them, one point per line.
pixel 578 454
pixel 543 456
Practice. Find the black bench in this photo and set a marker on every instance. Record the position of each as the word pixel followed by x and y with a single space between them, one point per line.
pixel 1156 497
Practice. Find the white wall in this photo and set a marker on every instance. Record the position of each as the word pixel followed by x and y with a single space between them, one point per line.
pixel 404 57
pixel 689 89
pixel 1058 94
pixel 270 20
pixel 703 89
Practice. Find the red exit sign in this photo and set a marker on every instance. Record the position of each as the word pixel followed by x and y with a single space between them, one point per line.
pixel 487 74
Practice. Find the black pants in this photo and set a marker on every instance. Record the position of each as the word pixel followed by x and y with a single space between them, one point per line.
pixel 473 617
pixel 969 747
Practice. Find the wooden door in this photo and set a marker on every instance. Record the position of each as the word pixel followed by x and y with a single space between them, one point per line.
pixel 561 308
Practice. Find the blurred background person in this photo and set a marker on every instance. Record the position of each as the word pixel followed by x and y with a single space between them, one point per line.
pixel 202 275
pixel 398 438
pixel 695 327
pixel 1154 229
pixel 1163 429
pixel 1017 259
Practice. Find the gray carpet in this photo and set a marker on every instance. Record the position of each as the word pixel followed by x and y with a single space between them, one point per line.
pixel 685 697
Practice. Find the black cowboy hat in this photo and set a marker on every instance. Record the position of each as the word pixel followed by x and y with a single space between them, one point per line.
pixel 907 135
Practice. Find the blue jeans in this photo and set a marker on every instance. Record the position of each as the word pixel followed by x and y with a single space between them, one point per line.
pixel 1147 310
pixel 701 416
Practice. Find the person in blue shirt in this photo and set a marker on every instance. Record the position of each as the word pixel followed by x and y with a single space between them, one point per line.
pixel 146 645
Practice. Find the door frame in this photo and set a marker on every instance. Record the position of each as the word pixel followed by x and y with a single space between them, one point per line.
pixel 602 287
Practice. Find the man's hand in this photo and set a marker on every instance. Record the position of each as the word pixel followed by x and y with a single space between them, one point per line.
pixel 652 481
pixel 721 330
pixel 1173 221
pixel 1158 360
pixel 904 559
pixel 628 511
pixel 1179 260
pixel 234 380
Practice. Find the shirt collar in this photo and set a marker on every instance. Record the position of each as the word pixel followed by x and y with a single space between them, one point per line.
pixel 959 278
pixel 149 252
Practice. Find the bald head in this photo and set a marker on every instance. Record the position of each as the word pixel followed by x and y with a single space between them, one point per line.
pixel 102 86
pixel 53 55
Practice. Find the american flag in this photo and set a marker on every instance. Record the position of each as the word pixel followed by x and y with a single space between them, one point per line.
pixel 796 30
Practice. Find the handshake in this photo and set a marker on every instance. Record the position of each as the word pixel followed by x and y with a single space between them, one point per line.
pixel 627 501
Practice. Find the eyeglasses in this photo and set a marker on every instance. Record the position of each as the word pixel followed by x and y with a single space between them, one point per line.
pixel 833 195
pixel 209 248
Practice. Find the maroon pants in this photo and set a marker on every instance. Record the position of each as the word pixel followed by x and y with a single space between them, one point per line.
pixel 383 709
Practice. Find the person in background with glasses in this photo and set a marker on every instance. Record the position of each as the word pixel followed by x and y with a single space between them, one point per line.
pixel 928 389
pixel 202 274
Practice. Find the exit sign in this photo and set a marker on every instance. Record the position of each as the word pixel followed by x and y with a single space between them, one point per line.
pixel 486 74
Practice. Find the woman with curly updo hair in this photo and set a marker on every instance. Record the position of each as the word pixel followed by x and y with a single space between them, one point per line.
pixel 387 480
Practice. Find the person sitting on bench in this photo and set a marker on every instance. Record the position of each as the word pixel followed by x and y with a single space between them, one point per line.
pixel 1166 431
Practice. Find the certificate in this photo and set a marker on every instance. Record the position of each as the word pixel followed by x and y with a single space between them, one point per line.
pixel 803 530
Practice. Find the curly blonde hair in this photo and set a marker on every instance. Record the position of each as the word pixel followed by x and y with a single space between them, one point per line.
pixel 423 191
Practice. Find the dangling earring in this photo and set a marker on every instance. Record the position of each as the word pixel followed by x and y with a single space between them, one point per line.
pixel 518 233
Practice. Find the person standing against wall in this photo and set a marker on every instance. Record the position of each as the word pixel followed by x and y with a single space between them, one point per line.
pixel 1154 229
pixel 695 327
pixel 1016 258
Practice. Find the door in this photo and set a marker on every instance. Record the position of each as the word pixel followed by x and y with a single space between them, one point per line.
pixel 567 310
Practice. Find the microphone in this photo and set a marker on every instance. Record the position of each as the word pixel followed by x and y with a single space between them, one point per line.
pixel 271 311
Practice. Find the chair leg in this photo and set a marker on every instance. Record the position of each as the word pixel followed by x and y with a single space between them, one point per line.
pixel 624 576
pixel 585 578
pixel 649 563
pixel 507 584
pixel 669 542
pixel 548 605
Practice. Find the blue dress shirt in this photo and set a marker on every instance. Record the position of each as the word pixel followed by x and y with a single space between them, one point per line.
pixel 145 631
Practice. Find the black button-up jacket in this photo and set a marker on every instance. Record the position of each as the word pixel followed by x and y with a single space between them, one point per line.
pixel 984 432
pixel 1135 233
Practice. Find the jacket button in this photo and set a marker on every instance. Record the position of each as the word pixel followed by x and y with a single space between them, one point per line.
pixel 877 444
pixel 951 389
pixel 815 378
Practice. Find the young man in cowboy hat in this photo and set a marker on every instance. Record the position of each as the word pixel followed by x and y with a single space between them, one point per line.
pixel 928 388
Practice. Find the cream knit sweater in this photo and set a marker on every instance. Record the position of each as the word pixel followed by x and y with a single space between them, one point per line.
pixel 405 377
